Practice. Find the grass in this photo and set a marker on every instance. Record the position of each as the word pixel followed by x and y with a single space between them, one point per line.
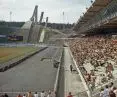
pixel 8 53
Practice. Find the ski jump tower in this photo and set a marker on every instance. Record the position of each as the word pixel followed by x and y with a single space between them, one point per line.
pixel 42 35
pixel 32 30
pixel 36 28
pixel 34 17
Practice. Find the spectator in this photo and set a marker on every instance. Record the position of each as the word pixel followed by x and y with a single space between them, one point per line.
pixel 70 95
pixel 101 92
pixel 36 95
pixel 42 94
pixel 112 94
pixel 115 90
pixel 106 91
pixel 24 95
pixel 6 95
pixel 111 86
pixel 49 94
pixel 97 51
pixel 30 94
pixel 1 95
pixel 19 95
pixel 71 68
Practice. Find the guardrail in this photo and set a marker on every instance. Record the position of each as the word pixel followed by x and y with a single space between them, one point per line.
pixel 58 74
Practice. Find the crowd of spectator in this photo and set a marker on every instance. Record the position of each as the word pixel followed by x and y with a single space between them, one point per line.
pixel 30 94
pixel 97 52
pixel 108 91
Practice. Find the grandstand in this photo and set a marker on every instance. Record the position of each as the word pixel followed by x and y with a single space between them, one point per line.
pixel 95 52
pixel 104 13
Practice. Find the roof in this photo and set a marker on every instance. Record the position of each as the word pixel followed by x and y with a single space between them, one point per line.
pixel 95 8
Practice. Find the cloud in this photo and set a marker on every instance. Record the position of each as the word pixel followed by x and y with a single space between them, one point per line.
pixel 22 9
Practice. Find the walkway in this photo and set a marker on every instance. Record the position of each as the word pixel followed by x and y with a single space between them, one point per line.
pixel 72 80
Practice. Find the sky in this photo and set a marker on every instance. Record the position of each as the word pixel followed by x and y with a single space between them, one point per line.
pixel 22 10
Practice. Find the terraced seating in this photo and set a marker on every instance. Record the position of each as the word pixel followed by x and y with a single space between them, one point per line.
pixel 97 52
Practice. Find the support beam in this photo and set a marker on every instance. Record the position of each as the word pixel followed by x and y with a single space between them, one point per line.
pixel 46 22
pixel 41 17
pixel 34 17
pixel 36 14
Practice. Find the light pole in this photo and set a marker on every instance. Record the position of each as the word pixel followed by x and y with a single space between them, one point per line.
pixel 10 16
pixel 63 21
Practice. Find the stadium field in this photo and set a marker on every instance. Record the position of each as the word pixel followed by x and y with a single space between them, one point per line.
pixel 8 53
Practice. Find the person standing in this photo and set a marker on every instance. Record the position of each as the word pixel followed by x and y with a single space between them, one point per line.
pixel 6 95
pixel 49 94
pixel 70 95
pixel 115 90
pixel 71 68
pixel 30 94
pixel 42 94
pixel 19 95
pixel 111 86
pixel 36 95
pixel 24 95
pixel 101 92
pixel 106 91
pixel 112 94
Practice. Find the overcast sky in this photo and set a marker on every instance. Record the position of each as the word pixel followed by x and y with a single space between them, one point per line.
pixel 22 9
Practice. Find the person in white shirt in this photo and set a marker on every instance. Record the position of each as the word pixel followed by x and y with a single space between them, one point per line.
pixel 101 92
pixel 24 95
pixel 111 86
pixel 42 94
pixel 115 90
pixel 49 94
pixel 36 95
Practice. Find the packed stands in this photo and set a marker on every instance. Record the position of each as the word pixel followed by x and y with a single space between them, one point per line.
pixel 96 57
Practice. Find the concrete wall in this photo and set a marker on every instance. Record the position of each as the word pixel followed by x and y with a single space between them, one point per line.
pixel 25 31
pixel 34 37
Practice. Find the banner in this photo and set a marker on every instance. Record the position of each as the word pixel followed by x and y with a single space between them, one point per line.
pixel 2 36
pixel 15 38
